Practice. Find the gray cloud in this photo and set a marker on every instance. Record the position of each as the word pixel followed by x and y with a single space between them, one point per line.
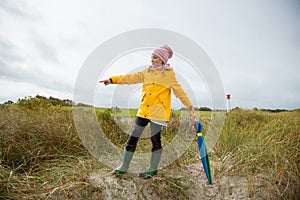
pixel 14 67
pixel 45 50
pixel 8 52
pixel 17 8
pixel 254 44
pixel 36 77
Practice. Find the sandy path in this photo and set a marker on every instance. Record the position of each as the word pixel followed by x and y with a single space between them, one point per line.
pixel 190 180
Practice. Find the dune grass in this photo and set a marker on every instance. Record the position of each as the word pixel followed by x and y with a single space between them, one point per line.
pixel 42 157
pixel 262 143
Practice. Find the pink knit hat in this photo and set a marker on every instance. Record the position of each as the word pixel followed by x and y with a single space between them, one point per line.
pixel 164 53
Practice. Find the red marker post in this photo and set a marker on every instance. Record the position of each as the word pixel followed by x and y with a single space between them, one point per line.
pixel 228 102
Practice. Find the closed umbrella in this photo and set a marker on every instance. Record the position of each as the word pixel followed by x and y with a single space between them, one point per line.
pixel 202 149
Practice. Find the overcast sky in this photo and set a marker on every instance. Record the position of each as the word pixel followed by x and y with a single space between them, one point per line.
pixel 254 44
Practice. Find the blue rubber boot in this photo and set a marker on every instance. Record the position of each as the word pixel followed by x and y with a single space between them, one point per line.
pixel 152 169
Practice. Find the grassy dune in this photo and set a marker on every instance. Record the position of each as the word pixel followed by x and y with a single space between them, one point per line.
pixel 266 144
pixel 42 157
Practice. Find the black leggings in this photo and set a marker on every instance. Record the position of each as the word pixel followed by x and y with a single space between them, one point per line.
pixel 139 126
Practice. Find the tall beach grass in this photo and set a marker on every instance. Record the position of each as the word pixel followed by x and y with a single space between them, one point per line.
pixel 42 157
pixel 261 143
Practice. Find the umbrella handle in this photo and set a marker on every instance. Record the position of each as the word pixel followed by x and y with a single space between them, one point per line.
pixel 195 120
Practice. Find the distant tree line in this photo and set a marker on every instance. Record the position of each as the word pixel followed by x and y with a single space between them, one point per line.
pixel 47 102
pixel 271 110
pixel 200 109
pixel 55 101
pixel 38 99
pixel 44 102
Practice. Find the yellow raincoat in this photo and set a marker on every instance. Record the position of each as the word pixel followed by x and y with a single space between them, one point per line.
pixel 156 92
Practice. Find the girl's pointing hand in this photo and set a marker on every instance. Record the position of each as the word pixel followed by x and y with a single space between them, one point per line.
pixel 106 82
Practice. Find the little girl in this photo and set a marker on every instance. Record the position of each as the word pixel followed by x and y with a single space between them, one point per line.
pixel 155 106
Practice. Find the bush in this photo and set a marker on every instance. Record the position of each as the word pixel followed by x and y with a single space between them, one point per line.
pixel 42 103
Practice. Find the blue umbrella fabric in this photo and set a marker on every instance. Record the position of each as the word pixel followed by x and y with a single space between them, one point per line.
pixel 203 152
